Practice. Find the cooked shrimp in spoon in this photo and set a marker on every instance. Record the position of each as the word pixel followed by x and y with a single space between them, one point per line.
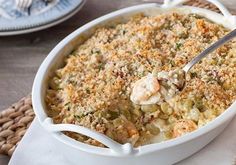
pixel 153 89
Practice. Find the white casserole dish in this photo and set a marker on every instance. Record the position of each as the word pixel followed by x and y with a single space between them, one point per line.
pixel 167 152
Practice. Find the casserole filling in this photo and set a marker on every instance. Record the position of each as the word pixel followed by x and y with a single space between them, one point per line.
pixel 94 88
pixel 155 89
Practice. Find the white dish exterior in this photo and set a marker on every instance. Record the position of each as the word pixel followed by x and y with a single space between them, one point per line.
pixel 167 152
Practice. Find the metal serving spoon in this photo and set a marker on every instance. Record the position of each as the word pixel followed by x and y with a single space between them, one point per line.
pixel 203 54
pixel 210 49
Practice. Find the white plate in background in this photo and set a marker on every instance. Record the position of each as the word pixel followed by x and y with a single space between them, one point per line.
pixel 13 21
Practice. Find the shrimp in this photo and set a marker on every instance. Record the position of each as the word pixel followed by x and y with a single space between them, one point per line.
pixel 145 91
pixel 183 127
pixel 131 129
pixel 126 132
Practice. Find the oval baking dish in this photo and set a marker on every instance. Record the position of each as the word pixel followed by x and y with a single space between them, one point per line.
pixel 167 152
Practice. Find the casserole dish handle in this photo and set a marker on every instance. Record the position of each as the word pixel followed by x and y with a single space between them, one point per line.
pixel 125 149
pixel 228 16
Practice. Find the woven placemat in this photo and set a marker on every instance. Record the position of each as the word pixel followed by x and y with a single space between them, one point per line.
pixel 15 120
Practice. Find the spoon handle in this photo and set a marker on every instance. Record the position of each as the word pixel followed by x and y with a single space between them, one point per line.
pixel 210 49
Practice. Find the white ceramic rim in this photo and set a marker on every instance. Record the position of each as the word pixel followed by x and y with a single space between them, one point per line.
pixel 42 27
pixel 38 98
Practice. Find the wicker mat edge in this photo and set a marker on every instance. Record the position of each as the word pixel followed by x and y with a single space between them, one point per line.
pixel 15 120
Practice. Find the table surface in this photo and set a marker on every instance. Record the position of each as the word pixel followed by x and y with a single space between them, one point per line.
pixel 20 56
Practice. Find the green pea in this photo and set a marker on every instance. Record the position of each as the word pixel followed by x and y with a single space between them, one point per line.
pixel 198 103
pixel 137 112
pixel 117 122
pixel 166 109
pixel 172 119
pixel 149 108
pixel 188 104
pixel 163 116
pixel 126 113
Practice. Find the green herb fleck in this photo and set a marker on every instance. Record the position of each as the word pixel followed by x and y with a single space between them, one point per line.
pixel 87 90
pixel 193 74
pixel 67 106
pixel 113 114
pixel 78 117
pixel 178 45
pixel 172 63
pixel 167 26
pixel 73 53
pixel 199 104
pixel 141 74
pixel 123 32
pixel 196 16
pixel 100 66
pixel 96 51
pixel 72 82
